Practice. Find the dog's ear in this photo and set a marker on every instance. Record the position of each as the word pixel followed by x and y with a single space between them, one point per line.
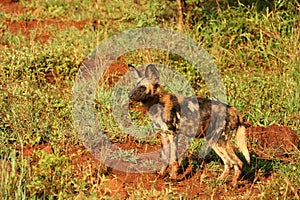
pixel 136 74
pixel 152 74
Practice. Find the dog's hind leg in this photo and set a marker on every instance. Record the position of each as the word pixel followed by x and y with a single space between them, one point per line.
pixel 226 151
pixel 221 151
pixel 236 162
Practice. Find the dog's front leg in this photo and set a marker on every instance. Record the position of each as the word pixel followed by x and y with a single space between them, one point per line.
pixel 165 153
pixel 173 139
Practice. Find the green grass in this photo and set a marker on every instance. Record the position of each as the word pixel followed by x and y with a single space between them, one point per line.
pixel 256 47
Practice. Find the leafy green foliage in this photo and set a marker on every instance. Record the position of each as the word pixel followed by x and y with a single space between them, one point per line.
pixel 255 45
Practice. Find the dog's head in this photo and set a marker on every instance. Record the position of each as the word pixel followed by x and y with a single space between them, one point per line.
pixel 146 83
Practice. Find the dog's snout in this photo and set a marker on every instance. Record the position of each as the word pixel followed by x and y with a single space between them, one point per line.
pixel 130 95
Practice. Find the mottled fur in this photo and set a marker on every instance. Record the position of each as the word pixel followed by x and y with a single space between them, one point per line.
pixel 176 115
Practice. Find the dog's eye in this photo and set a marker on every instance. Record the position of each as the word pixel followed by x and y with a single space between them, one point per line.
pixel 142 88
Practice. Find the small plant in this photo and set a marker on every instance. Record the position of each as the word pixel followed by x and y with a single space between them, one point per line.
pixel 255 45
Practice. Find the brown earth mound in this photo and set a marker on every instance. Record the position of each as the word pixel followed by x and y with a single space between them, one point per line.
pixel 273 142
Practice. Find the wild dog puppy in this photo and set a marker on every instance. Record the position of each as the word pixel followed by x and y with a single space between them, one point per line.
pixel 166 112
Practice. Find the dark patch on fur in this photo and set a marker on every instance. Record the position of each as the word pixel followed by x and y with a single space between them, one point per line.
pixel 166 111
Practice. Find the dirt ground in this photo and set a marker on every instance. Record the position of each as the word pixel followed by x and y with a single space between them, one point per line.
pixel 25 26
pixel 274 142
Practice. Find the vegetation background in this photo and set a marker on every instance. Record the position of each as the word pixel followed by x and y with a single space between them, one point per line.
pixel 255 44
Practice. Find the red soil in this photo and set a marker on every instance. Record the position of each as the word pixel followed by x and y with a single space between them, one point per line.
pixel 271 142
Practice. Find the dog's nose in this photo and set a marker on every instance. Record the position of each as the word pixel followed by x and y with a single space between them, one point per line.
pixel 130 95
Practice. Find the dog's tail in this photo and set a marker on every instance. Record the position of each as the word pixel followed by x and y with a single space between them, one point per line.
pixel 241 141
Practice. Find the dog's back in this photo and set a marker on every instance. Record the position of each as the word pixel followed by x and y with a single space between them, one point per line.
pixel 192 117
